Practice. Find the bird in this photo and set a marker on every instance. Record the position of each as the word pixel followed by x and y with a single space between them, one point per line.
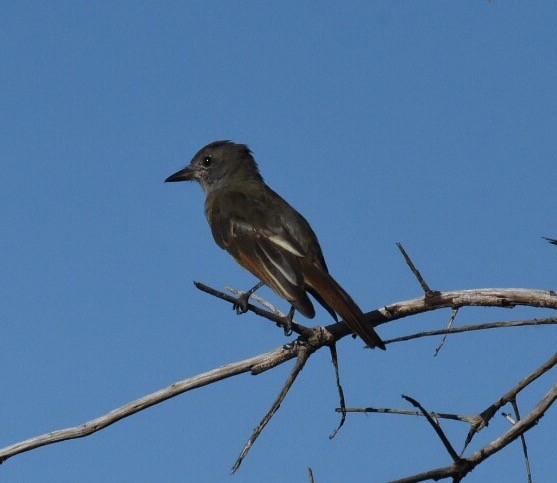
pixel 268 237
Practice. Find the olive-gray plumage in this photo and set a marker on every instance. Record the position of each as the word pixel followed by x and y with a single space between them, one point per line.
pixel 266 235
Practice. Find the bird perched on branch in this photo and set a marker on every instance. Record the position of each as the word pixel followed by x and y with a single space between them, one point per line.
pixel 268 237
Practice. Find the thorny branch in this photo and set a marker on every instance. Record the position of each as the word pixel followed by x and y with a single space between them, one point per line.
pixel 311 340
pixel 484 297
pixel 486 415
pixel 263 362
pixel 462 466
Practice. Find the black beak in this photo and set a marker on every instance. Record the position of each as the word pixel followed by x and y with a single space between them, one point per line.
pixel 185 174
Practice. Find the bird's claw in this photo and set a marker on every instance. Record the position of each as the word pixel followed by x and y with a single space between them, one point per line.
pixel 241 304
pixel 287 326
pixel 286 322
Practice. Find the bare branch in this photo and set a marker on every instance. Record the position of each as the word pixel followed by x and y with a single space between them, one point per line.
pixel 519 428
pixel 483 297
pixel 488 297
pixel 448 331
pixel 342 409
pixel 461 468
pixel 436 427
pixel 299 329
pixel 487 414
pixel 303 356
pixel 414 270
pixel 314 338
pixel 271 359
pixel 523 441
pixel 260 300
pixel 469 328
pixel 406 412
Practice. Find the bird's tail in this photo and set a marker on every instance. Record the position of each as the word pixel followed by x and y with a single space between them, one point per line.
pixel 339 300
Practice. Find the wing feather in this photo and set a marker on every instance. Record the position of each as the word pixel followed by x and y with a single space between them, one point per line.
pixel 241 227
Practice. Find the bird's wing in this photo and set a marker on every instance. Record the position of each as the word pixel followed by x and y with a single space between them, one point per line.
pixel 274 242
pixel 240 226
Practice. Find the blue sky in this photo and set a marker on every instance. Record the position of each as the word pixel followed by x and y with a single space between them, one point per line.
pixel 427 123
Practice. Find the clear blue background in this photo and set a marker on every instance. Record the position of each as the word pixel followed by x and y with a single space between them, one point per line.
pixel 427 123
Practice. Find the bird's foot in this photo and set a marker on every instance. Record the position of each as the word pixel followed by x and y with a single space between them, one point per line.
pixel 241 304
pixel 286 322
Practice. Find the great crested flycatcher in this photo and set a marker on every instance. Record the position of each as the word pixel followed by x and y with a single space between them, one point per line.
pixel 268 237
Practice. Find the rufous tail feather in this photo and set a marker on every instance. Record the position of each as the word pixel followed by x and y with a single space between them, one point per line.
pixel 339 300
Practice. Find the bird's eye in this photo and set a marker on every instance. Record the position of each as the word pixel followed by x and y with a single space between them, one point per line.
pixel 207 161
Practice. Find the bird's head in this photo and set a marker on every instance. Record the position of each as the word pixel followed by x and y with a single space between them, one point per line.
pixel 219 164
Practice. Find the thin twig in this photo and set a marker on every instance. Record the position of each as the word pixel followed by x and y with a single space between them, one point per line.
pixel 271 358
pixel 448 329
pixel 260 300
pixel 299 329
pixel 407 412
pixel 342 403
pixel 324 336
pixel 435 425
pixel 484 297
pixel 461 468
pixel 550 240
pixel 303 356
pixel 470 328
pixel 487 414
pixel 523 441
pixel 414 270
